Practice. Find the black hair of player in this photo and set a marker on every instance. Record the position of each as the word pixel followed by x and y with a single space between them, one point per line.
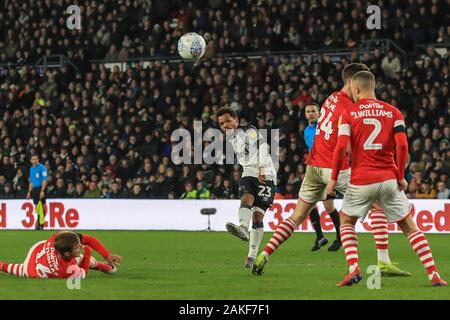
pixel 225 110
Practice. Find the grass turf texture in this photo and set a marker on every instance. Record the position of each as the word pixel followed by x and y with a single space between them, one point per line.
pixel 209 265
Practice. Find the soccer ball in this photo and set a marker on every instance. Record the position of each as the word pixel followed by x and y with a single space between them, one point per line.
pixel 191 46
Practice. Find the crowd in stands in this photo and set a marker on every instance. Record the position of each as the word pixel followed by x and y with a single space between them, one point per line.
pixel 106 133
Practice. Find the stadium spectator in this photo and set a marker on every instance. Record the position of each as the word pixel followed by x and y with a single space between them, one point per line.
pixel 189 192
pixel 443 191
pixel 60 190
pixel 137 192
pixel 391 65
pixel 202 191
pixel 93 192
pixel 95 124
pixel 79 190
pixel 426 190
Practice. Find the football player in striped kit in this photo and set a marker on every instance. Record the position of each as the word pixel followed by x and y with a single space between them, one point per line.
pixel 376 133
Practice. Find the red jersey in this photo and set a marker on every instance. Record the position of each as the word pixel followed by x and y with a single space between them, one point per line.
pixel 371 125
pixel 325 141
pixel 44 261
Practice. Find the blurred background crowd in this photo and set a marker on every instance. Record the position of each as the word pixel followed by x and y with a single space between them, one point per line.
pixel 105 132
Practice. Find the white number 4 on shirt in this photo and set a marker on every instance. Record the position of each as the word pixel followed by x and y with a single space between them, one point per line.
pixel 326 126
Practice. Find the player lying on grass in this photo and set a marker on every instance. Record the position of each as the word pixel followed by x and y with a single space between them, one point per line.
pixel 60 257
pixel 257 184
pixel 318 172
pixel 376 132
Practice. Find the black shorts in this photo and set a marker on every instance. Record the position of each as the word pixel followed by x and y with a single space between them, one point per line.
pixel 35 195
pixel 263 193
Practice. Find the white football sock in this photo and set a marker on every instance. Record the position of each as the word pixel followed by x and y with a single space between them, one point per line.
pixel 245 215
pixel 383 256
pixel 256 235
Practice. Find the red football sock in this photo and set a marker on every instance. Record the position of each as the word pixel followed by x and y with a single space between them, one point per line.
pixel 350 244
pixel 283 232
pixel 420 245
pixel 16 269
pixel 379 229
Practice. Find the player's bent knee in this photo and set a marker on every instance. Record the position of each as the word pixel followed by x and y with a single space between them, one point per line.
pixel 347 219
pixel 258 214
pixel 407 225
pixel 329 205
pixel 247 200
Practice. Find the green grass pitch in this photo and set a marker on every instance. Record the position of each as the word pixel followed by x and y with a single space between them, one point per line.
pixel 209 265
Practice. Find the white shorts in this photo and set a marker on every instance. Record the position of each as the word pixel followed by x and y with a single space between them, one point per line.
pixel 313 187
pixel 358 200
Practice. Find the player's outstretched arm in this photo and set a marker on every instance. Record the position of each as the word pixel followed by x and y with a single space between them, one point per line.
pixel 96 244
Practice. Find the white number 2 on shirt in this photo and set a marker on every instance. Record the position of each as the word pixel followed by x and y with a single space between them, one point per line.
pixel 326 125
pixel 369 145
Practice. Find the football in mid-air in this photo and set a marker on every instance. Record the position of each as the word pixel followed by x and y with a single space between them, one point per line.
pixel 191 46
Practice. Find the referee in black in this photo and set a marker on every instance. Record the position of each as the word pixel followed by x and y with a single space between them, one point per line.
pixel 36 190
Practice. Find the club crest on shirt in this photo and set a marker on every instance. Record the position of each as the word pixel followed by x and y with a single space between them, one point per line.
pixel 252 134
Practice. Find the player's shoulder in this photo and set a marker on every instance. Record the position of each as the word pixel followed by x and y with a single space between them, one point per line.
pixel 384 104
pixel 248 126
pixel 338 101
pixel 390 108
pixel 250 130
pixel 341 97
pixel 333 98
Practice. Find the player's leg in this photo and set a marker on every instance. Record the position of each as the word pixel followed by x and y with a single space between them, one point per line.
pixel 25 269
pixel 315 221
pixel 245 215
pixel 41 211
pixel 341 186
pixel 256 235
pixel 334 215
pixel 398 209
pixel 35 197
pixel 379 230
pixel 17 269
pixel 285 230
pixel 356 204
pixel 247 190
pixel 420 245
pixel 311 191
pixel 350 244
pixel 263 200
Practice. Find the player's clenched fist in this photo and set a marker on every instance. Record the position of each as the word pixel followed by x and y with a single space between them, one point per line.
pixel 114 259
